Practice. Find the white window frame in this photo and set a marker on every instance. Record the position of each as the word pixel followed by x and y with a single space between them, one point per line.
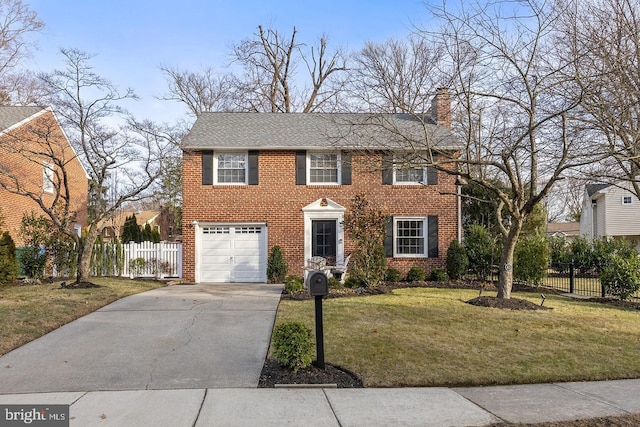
pixel 338 167
pixel 246 167
pixel 397 182
pixel 425 236
pixel 47 177
pixel 625 202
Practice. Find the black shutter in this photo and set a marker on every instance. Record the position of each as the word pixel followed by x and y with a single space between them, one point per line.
pixel 253 167
pixel 432 173
pixel 388 239
pixel 346 168
pixel 432 224
pixel 432 176
pixel 387 169
pixel 301 167
pixel 207 168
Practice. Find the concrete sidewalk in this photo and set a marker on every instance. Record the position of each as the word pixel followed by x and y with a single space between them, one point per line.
pixel 345 407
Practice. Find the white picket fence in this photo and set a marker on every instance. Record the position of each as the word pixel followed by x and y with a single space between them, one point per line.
pixel 147 259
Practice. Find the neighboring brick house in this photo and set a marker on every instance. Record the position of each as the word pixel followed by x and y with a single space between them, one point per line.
pixel 255 180
pixel 27 134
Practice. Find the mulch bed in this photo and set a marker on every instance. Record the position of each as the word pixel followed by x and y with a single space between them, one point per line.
pixel 273 373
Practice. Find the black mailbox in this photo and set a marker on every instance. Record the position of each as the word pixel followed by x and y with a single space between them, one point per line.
pixel 318 284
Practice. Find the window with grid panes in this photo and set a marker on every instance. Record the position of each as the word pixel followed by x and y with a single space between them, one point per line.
pixel 410 237
pixel 231 168
pixel 323 168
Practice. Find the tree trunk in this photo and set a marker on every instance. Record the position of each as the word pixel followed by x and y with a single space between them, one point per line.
pixel 505 280
pixel 85 250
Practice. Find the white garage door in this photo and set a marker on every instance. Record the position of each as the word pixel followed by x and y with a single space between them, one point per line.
pixel 233 253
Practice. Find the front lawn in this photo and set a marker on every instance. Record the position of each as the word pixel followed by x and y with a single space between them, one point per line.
pixel 30 311
pixel 431 337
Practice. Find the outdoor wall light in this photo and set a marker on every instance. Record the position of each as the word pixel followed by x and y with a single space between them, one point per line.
pixel 194 223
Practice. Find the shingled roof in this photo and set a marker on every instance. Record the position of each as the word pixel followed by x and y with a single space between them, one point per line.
pixel 285 131
pixel 10 115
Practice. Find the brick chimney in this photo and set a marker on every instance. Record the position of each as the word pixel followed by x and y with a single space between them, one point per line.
pixel 441 108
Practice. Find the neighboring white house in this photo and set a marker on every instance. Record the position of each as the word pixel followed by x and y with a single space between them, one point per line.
pixel 611 211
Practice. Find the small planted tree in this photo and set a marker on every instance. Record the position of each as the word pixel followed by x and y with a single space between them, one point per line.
pixel 457 260
pixel 131 230
pixel 8 265
pixel 367 227
pixel 277 267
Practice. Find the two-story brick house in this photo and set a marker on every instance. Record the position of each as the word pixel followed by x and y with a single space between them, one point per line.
pixel 255 180
pixel 30 139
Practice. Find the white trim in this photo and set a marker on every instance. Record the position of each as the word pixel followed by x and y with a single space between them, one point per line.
pixel 324 209
pixel 338 166
pixel 396 182
pixel 246 167
pixel 425 236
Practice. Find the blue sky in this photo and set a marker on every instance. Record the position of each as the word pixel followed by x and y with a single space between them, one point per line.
pixel 131 39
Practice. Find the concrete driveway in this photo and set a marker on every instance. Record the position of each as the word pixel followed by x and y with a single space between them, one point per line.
pixel 177 337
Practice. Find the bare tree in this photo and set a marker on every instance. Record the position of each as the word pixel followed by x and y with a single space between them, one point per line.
pixel 396 76
pixel 269 82
pixel 16 22
pixel 603 36
pixel 88 105
pixel 268 79
pixel 511 110
pixel 199 91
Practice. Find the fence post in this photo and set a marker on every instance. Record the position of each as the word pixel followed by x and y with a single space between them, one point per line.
pixel 572 278
pixel 604 290
pixel 160 258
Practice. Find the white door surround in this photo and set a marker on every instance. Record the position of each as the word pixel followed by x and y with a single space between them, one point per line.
pixel 324 209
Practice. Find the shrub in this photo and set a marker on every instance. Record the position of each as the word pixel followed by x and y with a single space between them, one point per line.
pixel 621 276
pixel 457 260
pixel 293 284
pixel 292 345
pixel 416 274
pixel 335 283
pixel 137 266
pixel 392 275
pixel 581 253
pixel 481 250
pixel 438 275
pixel 33 259
pixel 531 259
pixel 8 265
pixel 367 227
pixel 559 252
pixel 353 282
pixel 276 265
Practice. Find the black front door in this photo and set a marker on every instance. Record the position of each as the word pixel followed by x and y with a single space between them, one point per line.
pixel 324 238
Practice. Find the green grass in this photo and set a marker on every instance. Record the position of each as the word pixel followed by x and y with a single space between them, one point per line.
pixel 28 312
pixel 431 337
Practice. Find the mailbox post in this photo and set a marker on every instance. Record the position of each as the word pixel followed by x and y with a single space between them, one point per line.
pixel 318 288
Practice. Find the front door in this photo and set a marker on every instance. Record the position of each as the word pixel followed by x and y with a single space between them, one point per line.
pixel 324 242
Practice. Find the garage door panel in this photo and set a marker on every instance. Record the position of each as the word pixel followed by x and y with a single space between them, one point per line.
pixel 233 253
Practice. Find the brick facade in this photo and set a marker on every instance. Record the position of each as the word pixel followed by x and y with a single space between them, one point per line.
pixel 277 201
pixel 18 146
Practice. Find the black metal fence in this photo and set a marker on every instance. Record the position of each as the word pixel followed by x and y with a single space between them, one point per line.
pixel 569 279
